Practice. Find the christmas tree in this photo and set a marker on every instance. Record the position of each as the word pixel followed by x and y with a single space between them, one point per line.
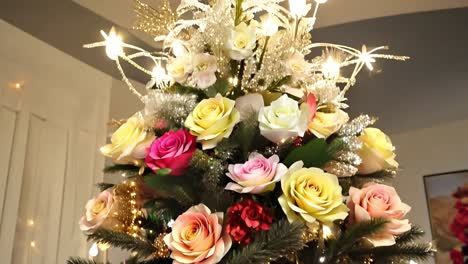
pixel 244 152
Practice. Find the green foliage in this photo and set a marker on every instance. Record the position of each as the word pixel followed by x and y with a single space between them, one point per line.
pixel 77 260
pixel 283 238
pixel 405 252
pixel 313 154
pixel 104 186
pixel 353 235
pixel 221 86
pixel 414 233
pixel 336 146
pixel 143 248
pixel 181 89
pixel 275 85
pixel 168 186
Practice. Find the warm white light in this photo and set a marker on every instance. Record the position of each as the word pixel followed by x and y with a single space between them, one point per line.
pixel 366 58
pixel 18 85
pixel 113 45
pixel 178 48
pixel 30 222
pixel 412 262
pixel 327 232
pixel 321 1
pixel 331 68
pixel 33 244
pixel 298 8
pixel 269 26
pixel 93 250
pixel 322 259
pixel 159 72
pixel 103 246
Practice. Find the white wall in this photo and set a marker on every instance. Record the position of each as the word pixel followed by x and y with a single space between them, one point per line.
pixel 442 148
pixel 50 131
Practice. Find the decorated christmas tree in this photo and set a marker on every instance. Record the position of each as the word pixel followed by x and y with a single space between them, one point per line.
pixel 244 152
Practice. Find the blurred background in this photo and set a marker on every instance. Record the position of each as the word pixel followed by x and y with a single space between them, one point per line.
pixel 56 99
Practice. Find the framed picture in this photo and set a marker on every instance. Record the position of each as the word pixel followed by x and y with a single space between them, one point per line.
pixel 441 203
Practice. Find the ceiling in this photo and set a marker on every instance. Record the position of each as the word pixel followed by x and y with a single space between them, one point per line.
pixel 334 12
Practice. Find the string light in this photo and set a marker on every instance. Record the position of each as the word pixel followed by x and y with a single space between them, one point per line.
pixel 113 44
pixel 298 8
pixel 269 26
pixel 33 244
pixel 93 250
pixel 327 232
pixel 30 222
pixel 103 246
pixel 365 57
pixel 331 68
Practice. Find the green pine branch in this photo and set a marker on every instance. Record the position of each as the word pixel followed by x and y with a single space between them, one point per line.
pixel 77 260
pixel 121 240
pixel 122 168
pixel 353 235
pixel 282 239
pixel 414 233
pixel 415 252
pixel 104 186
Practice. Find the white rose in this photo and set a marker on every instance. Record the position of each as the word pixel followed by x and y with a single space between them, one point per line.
pixel 297 66
pixel 204 69
pixel 325 124
pixel 242 41
pixel 179 68
pixel 283 119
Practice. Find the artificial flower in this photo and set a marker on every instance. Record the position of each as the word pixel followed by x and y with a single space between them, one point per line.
pixel 204 69
pixel 460 222
pixel 212 120
pixel 173 151
pixel 375 200
pixel 129 142
pixel 283 119
pixel 456 256
pixel 197 237
pixel 179 68
pixel 257 175
pixel 377 152
pixel 99 213
pixel 311 195
pixel 297 66
pixel 249 104
pixel 324 124
pixel 245 218
pixel 242 41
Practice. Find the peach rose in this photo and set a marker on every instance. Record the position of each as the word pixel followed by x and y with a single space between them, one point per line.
pixel 379 201
pixel 99 213
pixel 197 237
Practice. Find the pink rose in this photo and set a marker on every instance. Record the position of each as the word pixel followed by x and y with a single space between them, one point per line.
pixel 99 213
pixel 173 150
pixel 379 201
pixel 257 175
pixel 197 237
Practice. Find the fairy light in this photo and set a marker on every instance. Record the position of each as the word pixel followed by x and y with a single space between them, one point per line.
pixel 297 7
pixel 30 222
pixel 32 244
pixel 331 68
pixel 178 48
pixel 93 250
pixel 269 26
pixel 327 232
pixel 113 44
pixel 322 259
pixel 103 246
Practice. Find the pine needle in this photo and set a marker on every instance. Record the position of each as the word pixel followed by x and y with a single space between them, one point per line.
pixel 282 239
pixel 415 252
pixel 77 260
pixel 410 236
pixel 121 240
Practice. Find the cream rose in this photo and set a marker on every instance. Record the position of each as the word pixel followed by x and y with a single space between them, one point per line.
pixel 242 41
pixel 283 119
pixel 204 70
pixel 379 201
pixel 297 66
pixel 129 142
pixel 179 68
pixel 377 152
pixel 324 124
pixel 99 213
pixel 311 195
pixel 212 120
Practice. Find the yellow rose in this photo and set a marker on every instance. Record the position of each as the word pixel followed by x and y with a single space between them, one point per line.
pixel 311 195
pixel 129 142
pixel 377 152
pixel 212 120
pixel 325 124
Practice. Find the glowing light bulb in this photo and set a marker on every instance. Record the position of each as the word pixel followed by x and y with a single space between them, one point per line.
pixel 412 262
pixel 30 222
pixel 269 26
pixel 321 1
pixel 18 85
pixel 103 246
pixel 365 57
pixel 322 259
pixel 331 68
pixel 33 244
pixel 327 232
pixel 159 72
pixel 93 250
pixel 298 8
pixel 113 44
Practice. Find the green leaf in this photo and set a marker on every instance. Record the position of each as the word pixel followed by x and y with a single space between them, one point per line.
pixel 181 89
pixel 275 85
pixel 173 187
pixel 313 154
pixel 221 87
pixel 163 172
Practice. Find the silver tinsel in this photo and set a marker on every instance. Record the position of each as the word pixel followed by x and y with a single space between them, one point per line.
pixel 356 126
pixel 352 143
pixel 340 169
pixel 166 106
pixel 348 157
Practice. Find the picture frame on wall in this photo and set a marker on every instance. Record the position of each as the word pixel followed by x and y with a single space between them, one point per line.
pixel 440 189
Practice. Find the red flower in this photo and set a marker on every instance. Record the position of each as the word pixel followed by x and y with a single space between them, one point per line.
pixel 460 223
pixel 245 218
pixel 456 256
